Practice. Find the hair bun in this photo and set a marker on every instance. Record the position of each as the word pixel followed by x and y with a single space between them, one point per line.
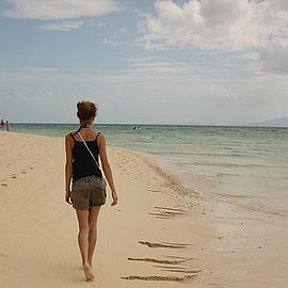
pixel 86 110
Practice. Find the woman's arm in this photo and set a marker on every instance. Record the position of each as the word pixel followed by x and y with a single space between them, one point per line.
pixel 68 167
pixel 107 168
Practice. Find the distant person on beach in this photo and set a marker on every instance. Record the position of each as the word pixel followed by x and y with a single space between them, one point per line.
pixel 83 173
pixel 8 126
pixel 2 125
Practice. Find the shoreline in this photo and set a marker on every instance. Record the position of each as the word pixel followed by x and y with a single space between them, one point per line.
pixel 158 234
pixel 251 187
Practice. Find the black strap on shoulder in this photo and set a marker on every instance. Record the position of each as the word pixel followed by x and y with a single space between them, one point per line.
pixel 97 136
pixel 71 134
pixel 82 126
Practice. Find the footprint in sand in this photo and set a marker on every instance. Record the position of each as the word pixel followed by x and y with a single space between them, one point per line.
pixel 159 278
pixel 13 176
pixel 164 245
pixel 4 185
pixel 4 255
pixel 161 261
pixel 167 213
pixel 181 270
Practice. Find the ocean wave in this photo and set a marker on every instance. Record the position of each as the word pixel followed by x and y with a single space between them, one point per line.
pixel 243 201
pixel 249 176
pixel 227 165
pixel 280 212
pixel 243 196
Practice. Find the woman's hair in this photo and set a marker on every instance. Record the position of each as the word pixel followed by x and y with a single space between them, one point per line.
pixel 86 110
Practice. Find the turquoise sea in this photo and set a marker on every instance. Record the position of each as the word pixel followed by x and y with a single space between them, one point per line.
pixel 247 166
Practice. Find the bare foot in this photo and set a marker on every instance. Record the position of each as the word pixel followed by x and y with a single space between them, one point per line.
pixel 88 272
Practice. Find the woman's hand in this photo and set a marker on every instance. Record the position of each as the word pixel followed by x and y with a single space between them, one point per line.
pixel 68 196
pixel 114 198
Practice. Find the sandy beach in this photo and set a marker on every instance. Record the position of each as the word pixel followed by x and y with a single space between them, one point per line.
pixel 160 235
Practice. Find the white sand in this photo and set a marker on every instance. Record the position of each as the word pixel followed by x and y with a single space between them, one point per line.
pixel 38 230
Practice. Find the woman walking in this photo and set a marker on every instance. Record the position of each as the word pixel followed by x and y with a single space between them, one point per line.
pixel 83 173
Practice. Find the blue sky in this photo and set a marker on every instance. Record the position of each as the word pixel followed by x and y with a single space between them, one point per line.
pixel 209 62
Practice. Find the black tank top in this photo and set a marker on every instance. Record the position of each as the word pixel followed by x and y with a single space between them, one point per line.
pixel 83 163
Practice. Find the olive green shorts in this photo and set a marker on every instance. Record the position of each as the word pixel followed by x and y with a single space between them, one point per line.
pixel 88 192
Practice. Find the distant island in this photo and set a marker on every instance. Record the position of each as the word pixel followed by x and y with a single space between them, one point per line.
pixel 277 122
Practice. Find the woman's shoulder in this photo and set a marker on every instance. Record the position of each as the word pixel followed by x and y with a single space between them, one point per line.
pixel 70 134
pixel 101 139
pixel 99 134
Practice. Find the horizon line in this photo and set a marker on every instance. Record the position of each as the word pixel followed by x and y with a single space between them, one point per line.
pixel 255 125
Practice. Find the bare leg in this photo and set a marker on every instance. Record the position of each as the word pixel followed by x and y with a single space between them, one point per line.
pixel 83 241
pixel 93 216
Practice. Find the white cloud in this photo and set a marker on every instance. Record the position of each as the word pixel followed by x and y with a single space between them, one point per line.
pixel 42 69
pixel 63 26
pixel 117 38
pixel 222 24
pixel 59 9
pixel 166 96
pixel 20 95
pixel 282 4
pixel 151 68
pixel 274 59
pixel 110 41
pixel 222 92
